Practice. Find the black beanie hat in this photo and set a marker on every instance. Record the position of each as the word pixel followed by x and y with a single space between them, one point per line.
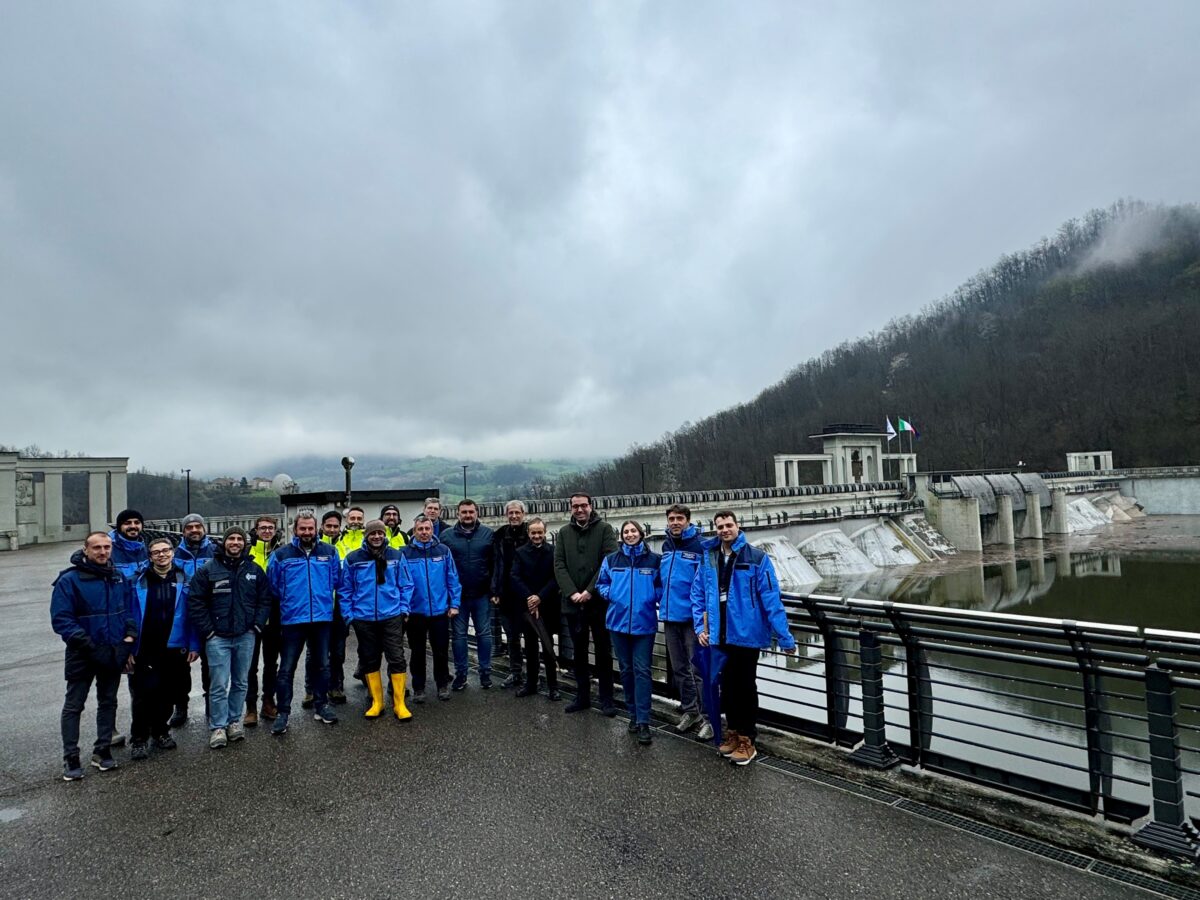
pixel 126 514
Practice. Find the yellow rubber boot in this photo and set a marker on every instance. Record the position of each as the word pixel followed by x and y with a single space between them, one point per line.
pixel 398 683
pixel 375 689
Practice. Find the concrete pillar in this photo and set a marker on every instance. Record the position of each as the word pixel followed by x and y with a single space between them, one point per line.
pixel 98 501
pixel 958 519
pixel 118 491
pixel 52 505
pixel 1008 578
pixel 780 473
pixel 1058 513
pixel 8 500
pixel 1004 520
pixel 1033 517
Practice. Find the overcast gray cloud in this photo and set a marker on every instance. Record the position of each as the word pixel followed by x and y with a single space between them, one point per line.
pixel 234 232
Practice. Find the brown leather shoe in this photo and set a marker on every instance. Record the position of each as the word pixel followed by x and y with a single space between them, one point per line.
pixel 268 710
pixel 745 752
pixel 729 742
pixel 250 719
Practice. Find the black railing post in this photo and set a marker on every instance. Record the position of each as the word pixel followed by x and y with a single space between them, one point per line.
pixel 920 688
pixel 874 750
pixel 1097 727
pixel 1170 832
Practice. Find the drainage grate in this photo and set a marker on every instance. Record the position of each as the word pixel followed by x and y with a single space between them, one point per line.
pixel 1147 882
pixel 1048 851
pixel 791 768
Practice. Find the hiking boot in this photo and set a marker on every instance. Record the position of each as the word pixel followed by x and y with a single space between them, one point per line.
pixel 217 739
pixel 579 704
pixel 139 750
pixel 268 710
pixel 644 736
pixel 632 727
pixel 72 770
pixel 280 725
pixel 165 742
pixel 729 742
pixel 103 761
pixel 235 732
pixel 485 682
pixel 325 715
pixel 687 722
pixel 459 683
pixel 178 718
pixel 307 702
pixel 706 732
pixel 745 752
pixel 337 695
pixel 250 720
pixel 443 693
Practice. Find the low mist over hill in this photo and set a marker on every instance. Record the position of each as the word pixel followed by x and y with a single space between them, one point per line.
pixel 1087 340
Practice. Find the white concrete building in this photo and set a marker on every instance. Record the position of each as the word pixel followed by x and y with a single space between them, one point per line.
pixel 852 454
pixel 31 497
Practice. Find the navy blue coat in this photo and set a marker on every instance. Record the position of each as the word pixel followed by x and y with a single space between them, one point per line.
pixel 93 610
pixel 474 554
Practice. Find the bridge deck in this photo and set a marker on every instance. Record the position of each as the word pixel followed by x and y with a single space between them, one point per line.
pixel 484 794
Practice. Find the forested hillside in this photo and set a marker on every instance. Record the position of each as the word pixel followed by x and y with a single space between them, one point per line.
pixel 1089 340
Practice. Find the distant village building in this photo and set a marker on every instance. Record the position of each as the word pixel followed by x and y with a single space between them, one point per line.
pixel 224 482
pixel 853 454
pixel 1090 461
pixel 259 483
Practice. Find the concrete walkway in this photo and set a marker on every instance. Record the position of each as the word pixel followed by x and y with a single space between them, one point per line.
pixel 483 795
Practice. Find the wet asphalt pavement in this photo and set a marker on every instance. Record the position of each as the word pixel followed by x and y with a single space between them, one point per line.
pixel 485 794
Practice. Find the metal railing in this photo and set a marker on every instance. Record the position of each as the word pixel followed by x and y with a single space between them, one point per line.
pixel 1103 719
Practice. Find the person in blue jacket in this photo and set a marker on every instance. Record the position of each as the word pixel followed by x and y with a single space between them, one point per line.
pixel 128 548
pixel 682 551
pixel 736 608
pixel 435 601
pixel 92 610
pixel 304 575
pixel 193 551
pixel 376 592
pixel 631 582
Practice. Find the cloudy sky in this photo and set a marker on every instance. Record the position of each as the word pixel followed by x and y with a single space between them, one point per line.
pixel 233 232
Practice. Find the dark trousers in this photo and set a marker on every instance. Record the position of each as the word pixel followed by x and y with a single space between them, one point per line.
pixel 435 629
pixel 590 621
pixel 154 685
pixel 379 639
pixel 739 689
pixel 314 636
pixel 337 649
pixel 537 633
pixel 106 710
pixel 511 618
pixel 267 645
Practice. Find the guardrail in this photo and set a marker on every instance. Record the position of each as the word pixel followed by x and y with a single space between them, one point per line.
pixel 1103 719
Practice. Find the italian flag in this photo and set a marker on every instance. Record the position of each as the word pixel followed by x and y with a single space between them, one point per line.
pixel 908 426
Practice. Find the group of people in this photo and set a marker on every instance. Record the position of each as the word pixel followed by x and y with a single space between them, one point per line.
pixel 150 609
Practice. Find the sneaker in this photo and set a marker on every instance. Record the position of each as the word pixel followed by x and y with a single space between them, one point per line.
pixel 307 702
pixel 268 710
pixel 165 742
pixel 579 704
pixel 139 750
pixel 337 695
pixel 325 715
pixel 443 693
pixel 745 752
pixel 72 770
pixel 236 732
pixel 459 683
pixel 607 708
pixel 103 761
pixel 280 725
pixel 525 691
pixel 178 718
pixel 632 727
pixel 729 742
pixel 644 736
pixel 706 732
pixel 217 739
pixel 250 720
pixel 485 682
pixel 687 722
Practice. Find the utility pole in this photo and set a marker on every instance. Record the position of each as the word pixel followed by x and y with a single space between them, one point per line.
pixel 188 487
pixel 347 464
pixel 464 468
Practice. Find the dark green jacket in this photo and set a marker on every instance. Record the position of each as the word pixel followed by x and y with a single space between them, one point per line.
pixel 578 553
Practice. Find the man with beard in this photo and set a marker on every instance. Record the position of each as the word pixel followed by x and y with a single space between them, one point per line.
pixel 376 592
pixel 470 541
pixel 435 601
pixel 304 575
pixel 195 548
pixel 228 603
pixel 92 610
pixel 351 540
pixel 506 597
pixel 682 554
pixel 579 551
pixel 128 548
pixel 267 539
pixel 390 516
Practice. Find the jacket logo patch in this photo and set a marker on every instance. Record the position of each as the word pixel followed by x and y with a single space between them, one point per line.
pixel 687 554
pixel 646 571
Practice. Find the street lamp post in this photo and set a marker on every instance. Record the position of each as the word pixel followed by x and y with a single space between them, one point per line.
pixel 464 468
pixel 348 464
pixel 188 487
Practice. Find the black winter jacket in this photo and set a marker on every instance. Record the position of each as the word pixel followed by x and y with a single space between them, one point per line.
pixel 228 597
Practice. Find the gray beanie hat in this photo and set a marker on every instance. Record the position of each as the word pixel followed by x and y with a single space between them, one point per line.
pixel 190 518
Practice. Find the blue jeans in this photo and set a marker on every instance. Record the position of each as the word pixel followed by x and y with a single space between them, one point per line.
pixel 228 666
pixel 633 652
pixel 479 610
pixel 316 636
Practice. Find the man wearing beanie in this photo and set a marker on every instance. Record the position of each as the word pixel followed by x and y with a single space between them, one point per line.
pixel 195 548
pixel 375 594
pixel 390 516
pixel 128 550
pixel 228 603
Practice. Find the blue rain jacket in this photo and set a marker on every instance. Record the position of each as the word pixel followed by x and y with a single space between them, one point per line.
pixel 128 556
pixel 363 598
pixel 304 582
pixel 681 558
pixel 755 608
pixel 630 581
pixel 435 578
pixel 190 560
pixel 92 607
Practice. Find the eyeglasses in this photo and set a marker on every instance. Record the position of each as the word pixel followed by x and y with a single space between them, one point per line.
pixel 166 552
pixel 580 505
